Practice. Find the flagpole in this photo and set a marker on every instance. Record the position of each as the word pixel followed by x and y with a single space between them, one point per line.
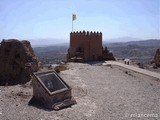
pixel 73 18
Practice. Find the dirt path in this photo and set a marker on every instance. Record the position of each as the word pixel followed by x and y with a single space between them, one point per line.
pixel 136 69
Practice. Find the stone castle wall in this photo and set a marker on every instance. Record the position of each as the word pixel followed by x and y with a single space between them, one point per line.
pixel 87 43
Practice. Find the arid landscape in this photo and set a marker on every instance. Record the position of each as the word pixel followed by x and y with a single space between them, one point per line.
pixel 80 60
pixel 102 89
pixel 102 92
pixel 138 51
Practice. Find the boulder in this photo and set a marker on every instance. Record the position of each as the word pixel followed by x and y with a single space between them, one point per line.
pixel 157 58
pixel 17 62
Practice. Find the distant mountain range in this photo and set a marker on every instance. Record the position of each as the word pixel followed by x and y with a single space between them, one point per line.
pixel 149 42
pixel 46 42
pixel 121 39
pixel 116 41
pixel 141 51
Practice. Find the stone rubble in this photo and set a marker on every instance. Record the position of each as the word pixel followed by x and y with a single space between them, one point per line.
pixel 17 62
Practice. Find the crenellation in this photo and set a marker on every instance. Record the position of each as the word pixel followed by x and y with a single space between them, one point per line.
pixel 94 33
pixel 86 33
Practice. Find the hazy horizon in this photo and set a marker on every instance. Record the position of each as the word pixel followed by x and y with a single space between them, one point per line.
pixel 50 41
pixel 54 41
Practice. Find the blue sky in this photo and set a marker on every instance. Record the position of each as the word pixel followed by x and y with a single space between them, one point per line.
pixel 36 19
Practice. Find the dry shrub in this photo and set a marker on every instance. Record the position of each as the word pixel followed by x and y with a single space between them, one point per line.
pixel 60 68
pixel 50 67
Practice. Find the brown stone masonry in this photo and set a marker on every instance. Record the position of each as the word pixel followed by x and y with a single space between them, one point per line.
pixel 86 46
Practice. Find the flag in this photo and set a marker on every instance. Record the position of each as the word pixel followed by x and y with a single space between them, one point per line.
pixel 73 17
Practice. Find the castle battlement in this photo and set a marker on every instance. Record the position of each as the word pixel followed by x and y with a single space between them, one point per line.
pixel 84 33
pixel 86 46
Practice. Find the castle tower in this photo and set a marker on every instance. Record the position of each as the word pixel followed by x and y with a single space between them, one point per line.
pixel 85 46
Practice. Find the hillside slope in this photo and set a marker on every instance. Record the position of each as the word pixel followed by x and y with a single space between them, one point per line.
pixel 141 51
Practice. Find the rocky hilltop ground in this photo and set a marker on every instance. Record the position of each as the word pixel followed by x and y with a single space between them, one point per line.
pixel 102 93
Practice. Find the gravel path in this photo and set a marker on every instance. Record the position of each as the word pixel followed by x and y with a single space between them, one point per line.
pixel 101 92
pixel 136 69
